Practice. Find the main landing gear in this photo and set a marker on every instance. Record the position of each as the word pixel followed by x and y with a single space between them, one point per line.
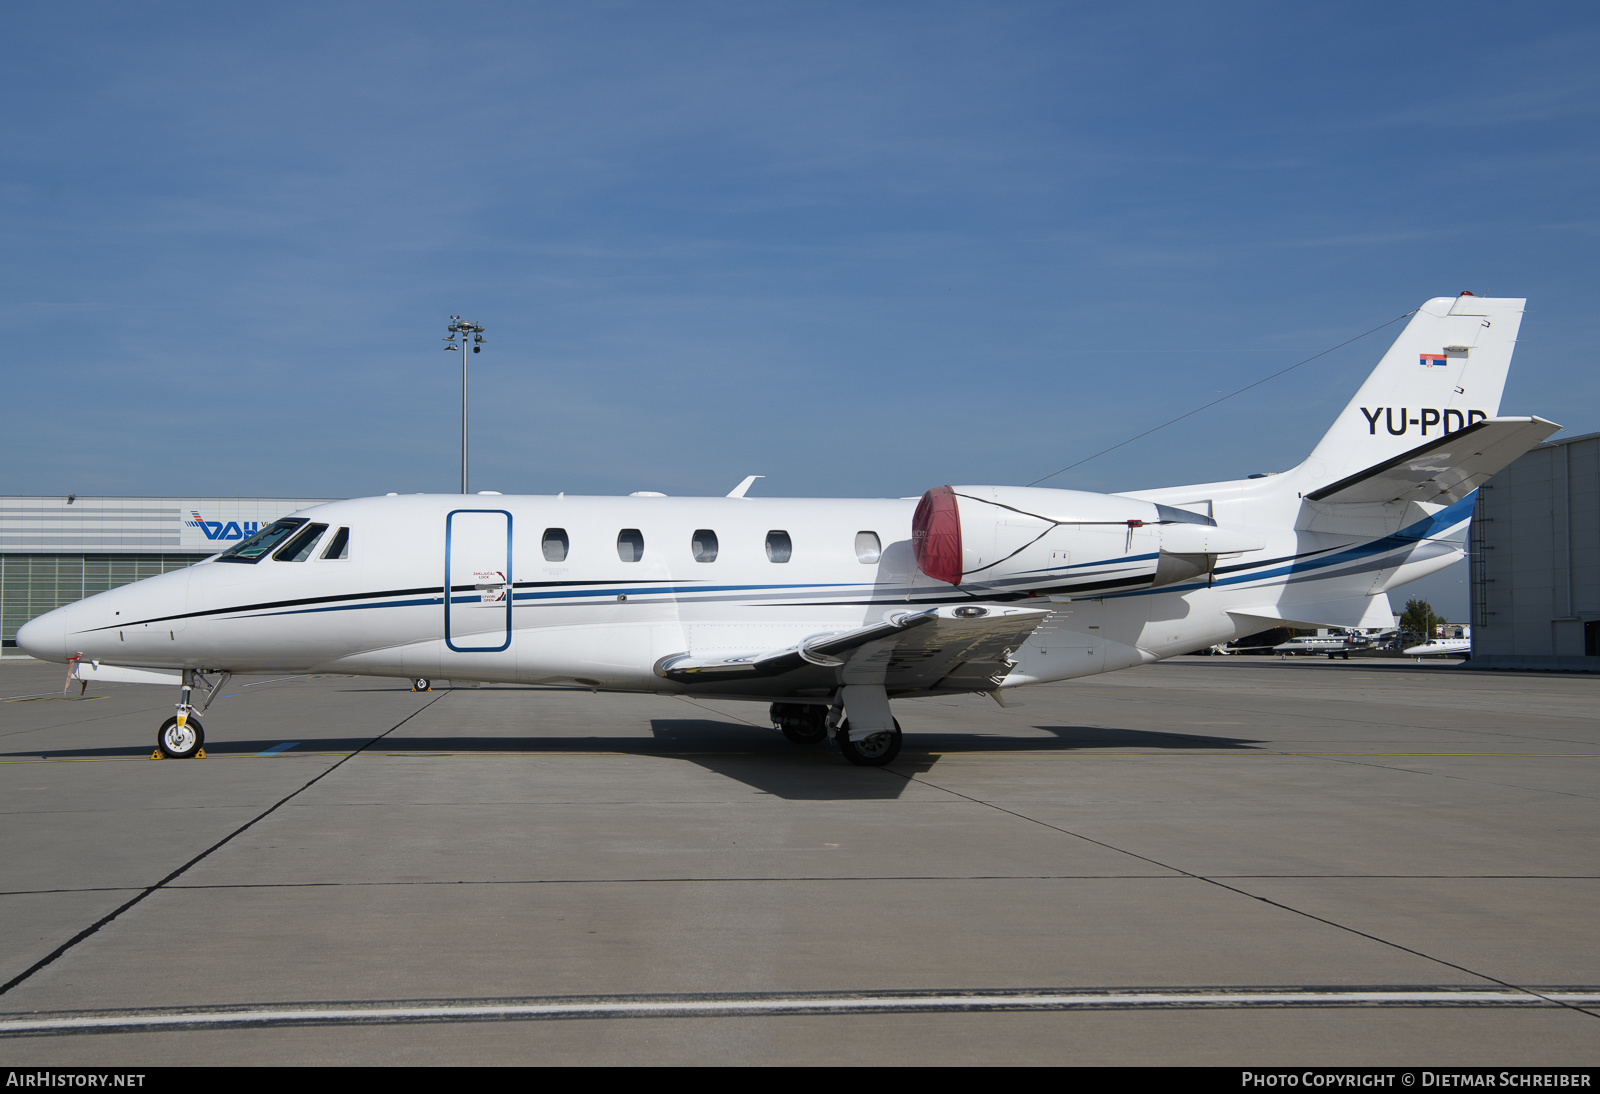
pixel 811 724
pixel 182 735
pixel 802 723
pixel 869 749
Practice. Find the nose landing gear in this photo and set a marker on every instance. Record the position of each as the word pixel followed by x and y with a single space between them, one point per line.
pixel 182 735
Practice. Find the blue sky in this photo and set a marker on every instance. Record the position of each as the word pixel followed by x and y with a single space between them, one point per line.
pixel 863 249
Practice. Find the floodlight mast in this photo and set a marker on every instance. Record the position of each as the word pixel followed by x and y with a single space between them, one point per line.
pixel 464 328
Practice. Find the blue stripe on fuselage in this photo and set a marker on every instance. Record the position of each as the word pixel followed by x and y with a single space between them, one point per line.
pixel 1409 536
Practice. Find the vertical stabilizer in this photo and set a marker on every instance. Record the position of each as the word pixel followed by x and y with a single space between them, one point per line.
pixel 1445 372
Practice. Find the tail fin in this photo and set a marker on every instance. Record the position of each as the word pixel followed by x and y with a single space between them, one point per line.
pixel 1445 372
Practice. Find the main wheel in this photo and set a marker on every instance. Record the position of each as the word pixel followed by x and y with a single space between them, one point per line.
pixel 180 742
pixel 801 723
pixel 422 683
pixel 873 750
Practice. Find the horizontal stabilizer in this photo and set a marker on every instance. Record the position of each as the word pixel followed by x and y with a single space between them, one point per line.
pixel 909 651
pixel 1358 612
pixel 1444 470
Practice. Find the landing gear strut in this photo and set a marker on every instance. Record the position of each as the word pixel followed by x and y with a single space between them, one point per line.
pixel 182 735
pixel 802 723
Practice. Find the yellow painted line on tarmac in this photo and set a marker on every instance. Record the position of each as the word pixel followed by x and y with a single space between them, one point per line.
pixel 76 760
pixel 1507 755
pixel 1077 753
pixel 531 752
pixel 387 755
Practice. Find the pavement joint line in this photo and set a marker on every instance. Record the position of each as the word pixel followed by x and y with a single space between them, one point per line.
pixel 1321 714
pixel 721 713
pixel 774 1005
pixel 1215 880
pixel 1349 759
pixel 1066 754
pixel 51 957
pixel 806 879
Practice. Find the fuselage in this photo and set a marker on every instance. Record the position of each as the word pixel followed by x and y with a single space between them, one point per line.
pixel 595 591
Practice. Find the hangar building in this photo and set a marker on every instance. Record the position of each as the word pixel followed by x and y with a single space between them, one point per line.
pixel 56 550
pixel 1536 561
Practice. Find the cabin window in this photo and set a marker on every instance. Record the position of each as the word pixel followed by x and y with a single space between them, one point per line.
pixel 555 545
pixel 254 549
pixel 778 546
pixel 868 549
pixel 339 545
pixel 704 545
pixel 630 545
pixel 299 548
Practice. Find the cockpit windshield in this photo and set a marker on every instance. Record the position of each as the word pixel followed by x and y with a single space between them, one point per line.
pixel 257 547
pixel 299 548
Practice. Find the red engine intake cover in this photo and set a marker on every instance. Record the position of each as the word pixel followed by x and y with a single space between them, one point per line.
pixel 936 535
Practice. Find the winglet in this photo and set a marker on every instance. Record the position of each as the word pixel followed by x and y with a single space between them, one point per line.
pixel 749 480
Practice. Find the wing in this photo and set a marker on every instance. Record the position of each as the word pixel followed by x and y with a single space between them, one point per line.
pixel 966 647
pixel 1442 471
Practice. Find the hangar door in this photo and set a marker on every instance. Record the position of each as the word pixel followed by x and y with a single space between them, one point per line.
pixel 477 579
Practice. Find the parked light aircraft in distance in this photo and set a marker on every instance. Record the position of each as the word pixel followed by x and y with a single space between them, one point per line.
pixel 830 609
pixel 1441 647
pixel 1339 644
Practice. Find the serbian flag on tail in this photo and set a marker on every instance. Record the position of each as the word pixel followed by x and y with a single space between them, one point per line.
pixel 1434 360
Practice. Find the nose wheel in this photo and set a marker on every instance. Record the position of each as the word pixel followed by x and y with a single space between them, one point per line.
pixel 179 742
pixel 422 683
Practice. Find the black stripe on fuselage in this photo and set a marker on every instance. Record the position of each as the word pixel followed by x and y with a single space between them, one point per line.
pixel 992 594
pixel 341 598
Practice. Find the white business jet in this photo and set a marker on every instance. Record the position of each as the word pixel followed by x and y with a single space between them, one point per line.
pixel 830 609
pixel 1440 647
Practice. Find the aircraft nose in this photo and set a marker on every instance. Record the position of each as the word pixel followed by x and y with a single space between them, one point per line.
pixel 45 637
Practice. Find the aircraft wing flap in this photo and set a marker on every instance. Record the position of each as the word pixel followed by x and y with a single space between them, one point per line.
pixel 1442 471
pixel 967 658
pixel 907 651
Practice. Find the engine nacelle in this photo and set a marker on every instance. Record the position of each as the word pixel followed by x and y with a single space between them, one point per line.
pixel 1026 539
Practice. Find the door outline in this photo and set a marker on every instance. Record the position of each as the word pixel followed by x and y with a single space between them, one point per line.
pixel 449 597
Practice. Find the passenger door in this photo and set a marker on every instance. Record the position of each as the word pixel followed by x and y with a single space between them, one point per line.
pixel 477 565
